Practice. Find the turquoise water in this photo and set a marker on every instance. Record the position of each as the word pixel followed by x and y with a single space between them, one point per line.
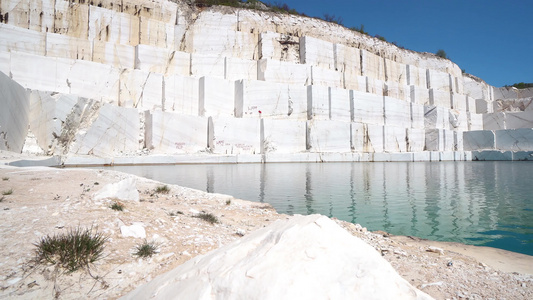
pixel 478 203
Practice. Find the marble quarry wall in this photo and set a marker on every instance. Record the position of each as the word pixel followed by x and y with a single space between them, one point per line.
pixel 109 79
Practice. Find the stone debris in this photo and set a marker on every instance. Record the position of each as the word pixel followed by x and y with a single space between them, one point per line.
pixel 435 250
pixel 124 190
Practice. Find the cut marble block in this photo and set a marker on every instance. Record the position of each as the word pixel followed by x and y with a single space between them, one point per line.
pixel 328 136
pixel 514 139
pixel 111 26
pixel 434 155
pixel 475 121
pixel 397 112
pixel 236 136
pixel 523 155
pixel 458 85
pixel 513 105
pixel 318 105
pixel 48 113
pixel 396 90
pixel 22 40
pixel 470 104
pixel 326 77
pixel 434 140
pixel 283 136
pixel 14 115
pixel 347 60
pixel 476 89
pixel 5 62
pixel 492 155
pixel 394 139
pixel 387 157
pixel 114 132
pixel 373 65
pixel 317 52
pixel 368 108
pixel 478 140
pixel 422 156
pixel 283 72
pixel 416 139
pixel 256 99
pixel 374 86
pixel 436 117
pixel 341 104
pixel 115 55
pixel 278 46
pixel 92 80
pixel 447 156
pixel 395 72
pixel 458 101
pixel 374 138
pixel 238 68
pixel 162 60
pixel 140 89
pixel 438 81
pixel 213 66
pixel 217 97
pixel 73 20
pixel 221 41
pixel 156 33
pixel 482 106
pixel 417 115
pixel 182 94
pixel 494 121
pixel 462 120
pixel 50 76
pixel 161 10
pixel 42 15
pixel 419 95
pixel 416 76
pixel 357 140
pixel 355 82
pixel 172 133
pixel 519 120
pixel 449 140
pixel 58 45
pixel 440 98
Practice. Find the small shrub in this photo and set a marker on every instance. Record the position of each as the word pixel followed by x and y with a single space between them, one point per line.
pixel 164 189
pixel 72 250
pixel 228 202
pixel 2 199
pixel 207 217
pixel 146 249
pixel 173 214
pixel 442 54
pixel 117 206
pixel 8 192
pixel 5 178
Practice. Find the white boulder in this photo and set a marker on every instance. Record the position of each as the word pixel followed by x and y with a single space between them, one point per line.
pixel 122 190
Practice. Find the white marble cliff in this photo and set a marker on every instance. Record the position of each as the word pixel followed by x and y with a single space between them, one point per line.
pixel 164 81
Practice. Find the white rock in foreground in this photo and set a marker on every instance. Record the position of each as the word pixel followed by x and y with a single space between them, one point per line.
pixel 304 257
pixel 122 190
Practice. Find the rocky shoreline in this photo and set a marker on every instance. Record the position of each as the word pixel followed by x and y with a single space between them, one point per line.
pixel 49 201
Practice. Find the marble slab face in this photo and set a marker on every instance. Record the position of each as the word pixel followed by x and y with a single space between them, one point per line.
pixel 438 80
pixel 238 68
pixel 440 98
pixel 372 65
pixel 22 40
pixel 156 33
pixel 217 97
pixel 73 20
pixel 355 82
pixel 115 132
pixel 328 136
pixel 492 155
pixel 459 101
pixel 317 52
pixel 458 141
pixel 514 139
pixel 523 155
pixel 479 140
pixel 278 46
pixel 394 139
pixel 416 139
pixel 416 76
pixel 212 66
pixel 397 112
pixel 142 90
pixel 347 60
pixel 115 55
pixel 374 86
pixel 318 106
pixel 283 136
pixel 5 62
pixel 326 77
pixel 519 120
pixel 111 26
pixel 482 106
pixel 436 117
pixel 434 140
pixel 162 60
pixel 396 90
pixel 182 94
pixel 14 115
pixel 470 104
pixel 449 140
pixel 221 41
pixel 236 135
pixel 358 131
pixel 476 89
pixel 283 72
pixel 58 45
pixel 494 121
pixel 92 80
pixel 419 95
pixel 256 99
pixel 513 105
pixel 368 108
pixel 475 121
pixel 340 104
pixel 374 138
pixel 417 115
pixel 172 133
pixel 395 72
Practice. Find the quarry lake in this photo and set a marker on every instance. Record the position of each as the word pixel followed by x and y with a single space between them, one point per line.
pixel 478 203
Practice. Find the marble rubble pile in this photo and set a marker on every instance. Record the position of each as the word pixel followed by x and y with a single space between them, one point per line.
pixel 304 257
pixel 111 80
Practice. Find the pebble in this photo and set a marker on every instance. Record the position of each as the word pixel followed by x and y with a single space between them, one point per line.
pixel 435 250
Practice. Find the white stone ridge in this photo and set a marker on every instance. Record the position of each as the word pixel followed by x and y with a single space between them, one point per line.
pixel 14 115
pixel 328 136
pixel 283 136
pixel 235 135
pixel 172 133
pixel 311 257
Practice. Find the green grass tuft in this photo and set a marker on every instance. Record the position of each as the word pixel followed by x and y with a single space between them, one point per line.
pixel 2 199
pixel 146 249
pixel 75 249
pixel 117 206
pixel 164 189
pixel 8 192
pixel 209 217
pixel 5 178
pixel 228 202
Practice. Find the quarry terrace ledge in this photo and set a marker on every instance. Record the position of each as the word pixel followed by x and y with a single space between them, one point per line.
pixel 426 156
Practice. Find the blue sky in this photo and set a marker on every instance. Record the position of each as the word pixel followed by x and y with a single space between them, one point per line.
pixel 490 39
